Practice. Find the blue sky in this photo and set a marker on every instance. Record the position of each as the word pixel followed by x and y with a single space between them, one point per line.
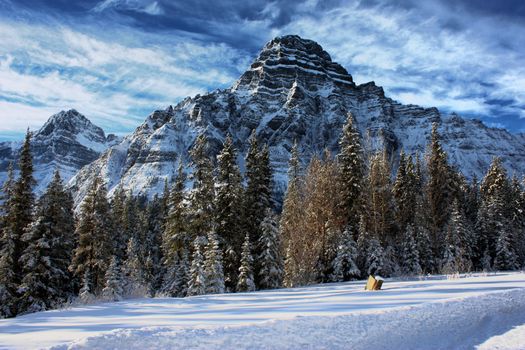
pixel 117 60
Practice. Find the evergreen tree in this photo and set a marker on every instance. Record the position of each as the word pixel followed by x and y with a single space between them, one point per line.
pixel 439 192
pixel 113 289
pixel 8 241
pixel 350 160
pixel 47 256
pixel 197 283
pixel 118 206
pixel 410 253
pixel 344 265
pixel 183 273
pixel 94 231
pixel 506 258
pixel 201 208
pixel 22 202
pixel 375 260
pixel 86 292
pixel 258 194
pixel 270 259
pixel 245 282
pixel 175 238
pixel 228 210
pixel 157 212
pixel 404 191
pixel 213 268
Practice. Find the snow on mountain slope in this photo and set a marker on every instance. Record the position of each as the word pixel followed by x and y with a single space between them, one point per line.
pixel 67 141
pixel 293 91
pixel 434 311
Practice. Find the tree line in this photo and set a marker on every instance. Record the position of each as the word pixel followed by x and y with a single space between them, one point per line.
pixel 343 217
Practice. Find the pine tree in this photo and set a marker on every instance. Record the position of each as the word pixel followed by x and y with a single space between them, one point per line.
pixel 404 191
pixel 113 290
pixel 175 238
pixel 47 256
pixel 350 160
pixel 213 268
pixel 228 210
pixel 258 194
pixel 23 202
pixel 345 263
pixel 86 292
pixel 245 281
pixel 136 283
pixel 270 259
pixel 375 260
pixel 506 258
pixel 118 206
pixel 410 253
pixel 183 273
pixel 201 208
pixel 197 283
pixel 439 192
pixel 157 212
pixel 93 230
pixel 363 241
pixel 8 278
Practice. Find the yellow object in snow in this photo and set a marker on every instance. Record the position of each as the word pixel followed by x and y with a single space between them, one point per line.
pixel 374 283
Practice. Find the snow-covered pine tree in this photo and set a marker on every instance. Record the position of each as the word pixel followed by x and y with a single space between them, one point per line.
pixel 23 202
pixel 94 228
pixel 175 237
pixel 375 260
pixel 85 294
pixel 404 192
pixel 157 212
pixel 136 264
pixel 517 219
pixel 495 209
pixel 464 236
pixel 344 265
pixel 118 207
pixel 438 190
pixel 258 194
pixel 245 281
pixel 229 210
pixel 506 258
pixel 363 241
pixel 49 245
pixel 182 277
pixel 201 199
pixel 410 253
pixel 197 283
pixel 213 268
pixel 113 289
pixel 270 258
pixel 352 170
pixel 8 279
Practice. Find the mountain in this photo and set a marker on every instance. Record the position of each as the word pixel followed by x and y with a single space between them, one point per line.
pixel 293 91
pixel 67 141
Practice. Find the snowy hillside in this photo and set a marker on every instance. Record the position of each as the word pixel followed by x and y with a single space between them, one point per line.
pixel 431 313
pixel 294 91
pixel 67 142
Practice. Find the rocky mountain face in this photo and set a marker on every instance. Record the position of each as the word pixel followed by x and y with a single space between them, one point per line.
pixel 67 142
pixel 293 91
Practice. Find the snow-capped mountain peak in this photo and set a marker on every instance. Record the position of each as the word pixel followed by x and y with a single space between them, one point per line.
pixel 293 91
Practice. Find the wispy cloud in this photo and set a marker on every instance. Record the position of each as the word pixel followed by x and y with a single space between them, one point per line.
pixel 116 60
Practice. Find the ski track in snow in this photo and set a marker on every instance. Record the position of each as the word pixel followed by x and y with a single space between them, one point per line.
pixel 487 312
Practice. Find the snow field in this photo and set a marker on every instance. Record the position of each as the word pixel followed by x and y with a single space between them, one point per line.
pixel 431 313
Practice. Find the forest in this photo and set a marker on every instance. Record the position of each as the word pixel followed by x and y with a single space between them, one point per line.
pixel 217 229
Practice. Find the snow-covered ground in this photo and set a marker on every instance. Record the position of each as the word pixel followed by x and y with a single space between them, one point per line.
pixel 479 311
